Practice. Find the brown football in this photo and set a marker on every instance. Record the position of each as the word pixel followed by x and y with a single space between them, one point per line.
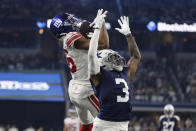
pixel 85 29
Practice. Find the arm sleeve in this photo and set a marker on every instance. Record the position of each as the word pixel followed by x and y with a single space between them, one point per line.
pixel 93 62
pixel 70 38
pixel 161 124
pixel 177 118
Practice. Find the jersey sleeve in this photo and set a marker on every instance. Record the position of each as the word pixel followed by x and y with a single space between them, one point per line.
pixel 125 69
pixel 161 117
pixel 70 38
pixel 177 118
pixel 161 124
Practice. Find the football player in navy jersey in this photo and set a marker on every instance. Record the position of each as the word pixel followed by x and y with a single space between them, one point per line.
pixel 169 121
pixel 110 76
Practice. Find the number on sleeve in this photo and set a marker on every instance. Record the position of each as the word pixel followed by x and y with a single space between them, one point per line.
pixel 125 90
pixel 71 65
pixel 70 62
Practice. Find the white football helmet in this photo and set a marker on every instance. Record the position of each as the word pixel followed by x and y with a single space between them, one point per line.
pixel 111 60
pixel 169 110
pixel 72 112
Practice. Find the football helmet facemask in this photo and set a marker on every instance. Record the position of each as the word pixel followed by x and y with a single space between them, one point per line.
pixel 111 60
pixel 169 110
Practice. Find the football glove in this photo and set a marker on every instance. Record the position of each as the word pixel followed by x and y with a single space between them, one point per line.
pixel 124 23
pixel 98 21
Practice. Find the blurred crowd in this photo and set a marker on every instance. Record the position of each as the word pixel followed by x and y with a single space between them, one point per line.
pixel 140 10
pixel 18 39
pixel 137 123
pixel 160 10
pixel 29 128
pixel 20 62
pixel 17 13
pixel 152 124
pixel 186 74
pixel 152 82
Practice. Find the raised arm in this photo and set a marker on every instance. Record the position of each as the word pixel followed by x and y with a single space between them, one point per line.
pixel 93 62
pixel 103 42
pixel 103 38
pixel 135 55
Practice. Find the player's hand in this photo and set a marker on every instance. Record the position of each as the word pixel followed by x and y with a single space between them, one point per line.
pixel 124 23
pixel 98 21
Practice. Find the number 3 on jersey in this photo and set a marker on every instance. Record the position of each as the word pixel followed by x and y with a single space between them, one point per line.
pixel 125 90
pixel 70 62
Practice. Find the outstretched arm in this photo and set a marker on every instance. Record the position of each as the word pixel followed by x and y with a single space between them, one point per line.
pixel 103 38
pixel 93 62
pixel 103 42
pixel 135 55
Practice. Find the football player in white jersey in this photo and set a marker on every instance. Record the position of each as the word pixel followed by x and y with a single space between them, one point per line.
pixel 169 121
pixel 73 33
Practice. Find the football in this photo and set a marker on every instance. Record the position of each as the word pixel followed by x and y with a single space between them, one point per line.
pixel 85 29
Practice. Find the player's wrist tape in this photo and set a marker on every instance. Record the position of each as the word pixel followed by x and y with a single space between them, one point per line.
pixel 97 28
pixel 128 35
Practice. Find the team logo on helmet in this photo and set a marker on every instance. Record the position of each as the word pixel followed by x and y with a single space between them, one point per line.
pixel 64 23
pixel 58 23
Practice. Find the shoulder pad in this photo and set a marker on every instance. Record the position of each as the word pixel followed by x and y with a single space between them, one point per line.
pixel 70 38
pixel 177 117
pixel 161 117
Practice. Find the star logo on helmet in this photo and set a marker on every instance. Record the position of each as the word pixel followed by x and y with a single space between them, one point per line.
pixel 98 55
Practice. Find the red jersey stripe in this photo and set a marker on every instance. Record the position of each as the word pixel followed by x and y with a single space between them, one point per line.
pixel 74 37
pixel 91 101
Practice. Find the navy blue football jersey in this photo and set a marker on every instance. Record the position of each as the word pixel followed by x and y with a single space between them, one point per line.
pixel 169 124
pixel 114 96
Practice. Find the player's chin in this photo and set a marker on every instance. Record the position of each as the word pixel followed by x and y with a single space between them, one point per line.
pixel 85 29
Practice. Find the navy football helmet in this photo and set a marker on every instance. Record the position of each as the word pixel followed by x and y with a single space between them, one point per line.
pixel 65 23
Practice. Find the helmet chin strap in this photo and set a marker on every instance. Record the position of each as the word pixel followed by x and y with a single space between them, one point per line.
pixel 108 67
pixel 111 66
pixel 118 68
pixel 169 116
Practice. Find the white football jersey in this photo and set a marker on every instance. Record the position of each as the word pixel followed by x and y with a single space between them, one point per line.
pixel 77 59
pixel 72 124
pixel 169 124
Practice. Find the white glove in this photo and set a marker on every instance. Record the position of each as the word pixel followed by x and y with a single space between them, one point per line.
pixel 98 21
pixel 90 34
pixel 124 23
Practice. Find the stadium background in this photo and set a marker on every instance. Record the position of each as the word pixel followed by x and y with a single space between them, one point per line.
pixel 34 76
